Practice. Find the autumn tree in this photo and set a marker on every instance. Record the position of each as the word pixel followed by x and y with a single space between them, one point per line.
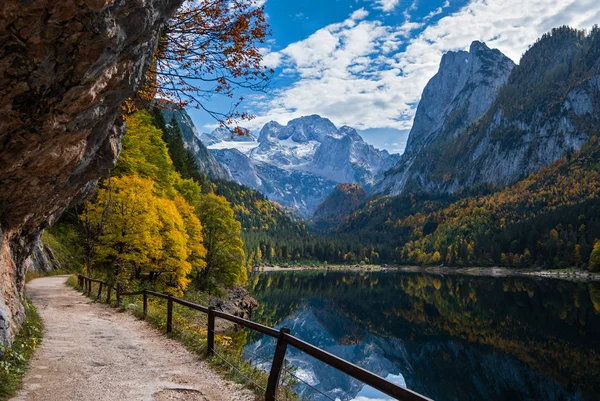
pixel 131 238
pixel 91 224
pixel 147 234
pixel 173 264
pixel 144 152
pixel 208 48
pixel 222 240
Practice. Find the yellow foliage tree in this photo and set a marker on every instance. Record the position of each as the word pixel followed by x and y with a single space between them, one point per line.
pixel 146 233
pixel 145 152
pixel 172 266
pixel 130 238
pixel 222 239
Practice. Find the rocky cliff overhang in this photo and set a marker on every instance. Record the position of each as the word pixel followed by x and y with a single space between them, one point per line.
pixel 66 66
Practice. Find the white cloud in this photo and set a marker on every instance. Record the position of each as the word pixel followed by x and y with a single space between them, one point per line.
pixel 353 73
pixel 271 60
pixel 387 5
pixel 437 11
pixel 359 14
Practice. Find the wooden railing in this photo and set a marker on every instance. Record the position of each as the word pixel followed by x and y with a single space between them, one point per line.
pixel 283 336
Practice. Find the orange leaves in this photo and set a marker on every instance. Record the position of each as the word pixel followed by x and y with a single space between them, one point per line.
pixel 210 47
pixel 128 107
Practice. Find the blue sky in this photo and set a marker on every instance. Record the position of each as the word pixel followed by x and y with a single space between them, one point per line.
pixel 364 63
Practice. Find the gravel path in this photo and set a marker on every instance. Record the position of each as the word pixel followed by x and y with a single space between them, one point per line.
pixel 91 352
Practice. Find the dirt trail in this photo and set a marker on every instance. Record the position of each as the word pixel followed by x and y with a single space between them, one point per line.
pixel 91 352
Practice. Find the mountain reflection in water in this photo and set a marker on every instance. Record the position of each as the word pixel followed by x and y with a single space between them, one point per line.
pixel 448 337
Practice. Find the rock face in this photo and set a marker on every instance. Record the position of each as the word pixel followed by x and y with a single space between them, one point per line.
pixel 237 302
pixel 300 163
pixel 548 107
pixel 464 88
pixel 42 259
pixel 239 166
pixel 65 69
pixel 205 161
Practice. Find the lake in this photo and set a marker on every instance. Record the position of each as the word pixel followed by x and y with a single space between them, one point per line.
pixel 449 337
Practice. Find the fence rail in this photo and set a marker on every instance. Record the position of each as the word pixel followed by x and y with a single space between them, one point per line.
pixel 283 336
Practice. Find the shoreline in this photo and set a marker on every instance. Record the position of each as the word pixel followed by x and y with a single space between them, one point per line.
pixel 573 274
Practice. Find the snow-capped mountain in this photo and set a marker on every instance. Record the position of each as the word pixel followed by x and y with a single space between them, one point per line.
pixel 299 190
pixel 314 144
pixel 300 163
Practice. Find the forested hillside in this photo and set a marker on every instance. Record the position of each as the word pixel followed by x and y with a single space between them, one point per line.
pixel 344 199
pixel 549 219
pixel 539 137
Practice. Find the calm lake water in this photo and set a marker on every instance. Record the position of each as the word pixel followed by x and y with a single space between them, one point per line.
pixel 448 337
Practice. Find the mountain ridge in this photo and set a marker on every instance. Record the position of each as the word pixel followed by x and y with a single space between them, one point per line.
pixel 548 107
pixel 462 90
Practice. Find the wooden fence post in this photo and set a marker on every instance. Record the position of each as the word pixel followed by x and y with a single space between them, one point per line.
pixel 210 335
pixel 169 313
pixel 277 365
pixel 145 296
pixel 100 290
pixel 89 288
pixel 109 291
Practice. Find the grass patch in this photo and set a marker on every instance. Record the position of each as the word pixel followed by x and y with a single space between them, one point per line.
pixel 189 328
pixel 15 359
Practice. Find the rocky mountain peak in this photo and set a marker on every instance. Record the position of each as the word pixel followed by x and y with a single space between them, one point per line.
pixel 527 115
pixel 351 133
pixel 314 144
pixel 303 129
pixel 477 47
pixel 464 88
pixel 291 159
pixel 466 82
pixel 205 161
pixel 219 135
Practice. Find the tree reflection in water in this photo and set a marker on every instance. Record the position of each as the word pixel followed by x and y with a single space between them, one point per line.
pixel 450 337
